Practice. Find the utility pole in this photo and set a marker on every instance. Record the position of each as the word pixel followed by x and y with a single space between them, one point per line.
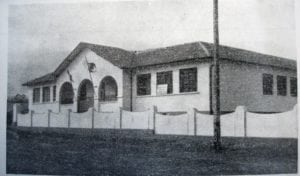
pixel 216 81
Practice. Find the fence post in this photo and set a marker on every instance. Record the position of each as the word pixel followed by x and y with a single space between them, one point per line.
pixel 31 118
pixel 154 118
pixel 49 111
pixel 149 110
pixel 245 121
pixel 120 117
pixel 69 118
pixel 188 123
pixel 240 121
pixel 93 117
pixel 195 121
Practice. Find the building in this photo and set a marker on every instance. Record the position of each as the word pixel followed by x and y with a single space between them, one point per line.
pixel 174 78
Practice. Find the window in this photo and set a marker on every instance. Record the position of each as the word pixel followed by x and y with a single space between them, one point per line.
pixel 188 80
pixel 293 88
pixel 46 94
pixel 54 93
pixel 66 93
pixel 36 95
pixel 281 85
pixel 144 84
pixel 108 89
pixel 165 78
pixel 267 84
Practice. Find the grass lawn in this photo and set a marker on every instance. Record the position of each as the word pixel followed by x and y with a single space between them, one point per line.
pixel 111 152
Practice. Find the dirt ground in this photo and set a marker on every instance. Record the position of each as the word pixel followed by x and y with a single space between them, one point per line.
pixel 112 152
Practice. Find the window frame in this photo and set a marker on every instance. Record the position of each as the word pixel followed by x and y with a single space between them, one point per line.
pixel 46 94
pixel 193 87
pixel 147 89
pixel 36 95
pixel 165 80
pixel 293 80
pixel 54 93
pixel 281 88
pixel 265 86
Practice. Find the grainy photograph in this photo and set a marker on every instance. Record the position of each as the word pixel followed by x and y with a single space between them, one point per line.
pixel 199 87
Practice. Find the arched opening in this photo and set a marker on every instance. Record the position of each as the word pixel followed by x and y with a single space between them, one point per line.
pixel 108 90
pixel 66 94
pixel 85 96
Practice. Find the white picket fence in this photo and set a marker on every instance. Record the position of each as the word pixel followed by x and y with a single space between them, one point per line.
pixel 239 123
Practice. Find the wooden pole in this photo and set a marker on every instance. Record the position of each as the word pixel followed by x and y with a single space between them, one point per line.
pixel 216 81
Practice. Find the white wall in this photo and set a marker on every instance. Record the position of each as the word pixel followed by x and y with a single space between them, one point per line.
pixel 232 124
pixel 59 120
pixel 240 123
pixel 204 125
pixel 110 106
pixel 107 120
pixel 40 119
pixel 172 124
pixel 273 125
pixel 24 120
pixel 241 85
pixel 175 101
pixel 136 120
pixel 81 120
pixel 79 71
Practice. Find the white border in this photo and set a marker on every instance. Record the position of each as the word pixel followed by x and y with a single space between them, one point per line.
pixel 3 65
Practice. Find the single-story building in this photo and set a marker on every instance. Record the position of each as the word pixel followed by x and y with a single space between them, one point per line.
pixel 173 78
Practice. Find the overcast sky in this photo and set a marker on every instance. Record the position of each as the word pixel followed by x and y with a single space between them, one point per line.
pixel 43 34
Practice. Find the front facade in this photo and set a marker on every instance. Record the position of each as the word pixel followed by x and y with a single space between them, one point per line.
pixel 175 78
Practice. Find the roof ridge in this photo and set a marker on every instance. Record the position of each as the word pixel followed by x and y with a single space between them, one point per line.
pixel 166 47
pixel 106 46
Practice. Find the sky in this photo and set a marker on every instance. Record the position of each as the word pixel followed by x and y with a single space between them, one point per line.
pixel 42 35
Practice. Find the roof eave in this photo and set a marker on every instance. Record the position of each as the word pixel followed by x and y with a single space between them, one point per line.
pixel 262 64
pixel 32 84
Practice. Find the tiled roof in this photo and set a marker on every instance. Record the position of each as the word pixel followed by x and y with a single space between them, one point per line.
pixel 183 52
pixel 200 50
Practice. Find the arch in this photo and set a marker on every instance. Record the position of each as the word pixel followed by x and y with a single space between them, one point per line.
pixel 66 93
pixel 108 89
pixel 85 96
